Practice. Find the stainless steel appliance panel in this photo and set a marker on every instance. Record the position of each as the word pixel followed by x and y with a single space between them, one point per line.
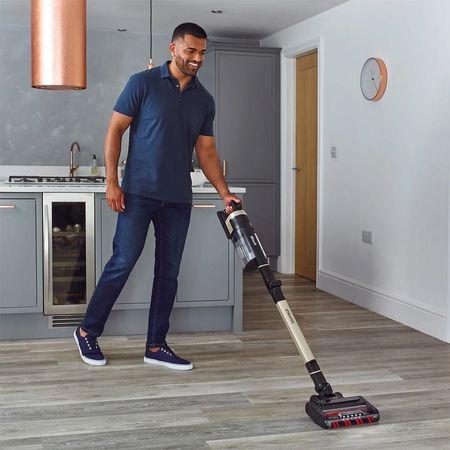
pixel 69 265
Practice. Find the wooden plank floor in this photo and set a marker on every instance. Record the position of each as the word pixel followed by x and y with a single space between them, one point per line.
pixel 247 390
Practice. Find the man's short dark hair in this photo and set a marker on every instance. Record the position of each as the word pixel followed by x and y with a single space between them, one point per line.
pixel 189 28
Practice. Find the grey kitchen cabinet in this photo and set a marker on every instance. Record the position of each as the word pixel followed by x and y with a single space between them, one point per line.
pixel 205 272
pixel 245 83
pixel 20 253
pixel 139 285
pixel 209 297
pixel 208 270
pixel 261 200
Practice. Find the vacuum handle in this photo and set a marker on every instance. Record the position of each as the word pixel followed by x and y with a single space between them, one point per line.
pixel 235 205
pixel 223 216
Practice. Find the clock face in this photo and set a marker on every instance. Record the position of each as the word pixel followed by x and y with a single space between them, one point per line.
pixel 373 79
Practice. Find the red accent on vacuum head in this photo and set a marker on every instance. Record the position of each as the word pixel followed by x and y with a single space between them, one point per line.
pixel 341 412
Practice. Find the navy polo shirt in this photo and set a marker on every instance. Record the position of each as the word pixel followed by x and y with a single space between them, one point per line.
pixel 166 124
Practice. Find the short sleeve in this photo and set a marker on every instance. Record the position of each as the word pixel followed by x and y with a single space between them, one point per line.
pixel 207 127
pixel 130 99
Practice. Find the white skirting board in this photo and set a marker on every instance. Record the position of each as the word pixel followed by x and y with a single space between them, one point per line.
pixel 421 319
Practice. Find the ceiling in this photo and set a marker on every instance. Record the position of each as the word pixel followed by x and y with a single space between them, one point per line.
pixel 251 19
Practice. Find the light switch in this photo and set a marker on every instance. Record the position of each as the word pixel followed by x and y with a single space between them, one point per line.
pixel 367 237
pixel 333 152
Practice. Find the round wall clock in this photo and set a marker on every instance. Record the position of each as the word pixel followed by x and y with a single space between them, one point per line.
pixel 373 79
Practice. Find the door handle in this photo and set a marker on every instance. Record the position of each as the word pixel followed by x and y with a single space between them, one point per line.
pixel 204 205
pixel 224 168
pixel 7 206
pixel 296 168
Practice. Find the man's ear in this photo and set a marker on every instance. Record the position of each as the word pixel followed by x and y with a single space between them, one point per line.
pixel 172 49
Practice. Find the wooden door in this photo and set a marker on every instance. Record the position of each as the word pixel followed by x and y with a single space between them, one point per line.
pixel 306 166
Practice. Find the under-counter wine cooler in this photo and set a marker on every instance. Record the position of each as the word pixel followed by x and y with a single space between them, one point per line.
pixel 69 266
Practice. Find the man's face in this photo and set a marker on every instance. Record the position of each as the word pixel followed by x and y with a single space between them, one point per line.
pixel 188 54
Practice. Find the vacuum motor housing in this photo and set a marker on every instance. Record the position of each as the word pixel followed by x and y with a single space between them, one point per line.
pixel 238 228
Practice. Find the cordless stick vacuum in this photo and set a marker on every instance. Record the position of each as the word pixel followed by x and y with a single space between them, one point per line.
pixel 327 409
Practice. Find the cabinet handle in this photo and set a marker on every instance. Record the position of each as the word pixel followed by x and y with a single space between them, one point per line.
pixel 199 205
pixel 7 206
pixel 224 167
pixel 47 257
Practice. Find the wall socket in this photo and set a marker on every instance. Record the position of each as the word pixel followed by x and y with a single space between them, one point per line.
pixel 333 152
pixel 367 237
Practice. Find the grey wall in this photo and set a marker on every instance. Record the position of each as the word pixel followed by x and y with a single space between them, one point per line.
pixel 36 126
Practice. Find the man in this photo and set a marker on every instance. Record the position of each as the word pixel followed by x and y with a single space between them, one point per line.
pixel 168 112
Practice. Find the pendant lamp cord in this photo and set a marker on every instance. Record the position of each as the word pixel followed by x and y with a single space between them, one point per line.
pixel 150 64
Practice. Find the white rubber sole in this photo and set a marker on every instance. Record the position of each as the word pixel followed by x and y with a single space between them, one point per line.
pixel 91 362
pixel 169 365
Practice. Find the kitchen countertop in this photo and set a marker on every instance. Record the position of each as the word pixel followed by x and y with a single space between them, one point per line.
pixel 91 187
pixel 6 171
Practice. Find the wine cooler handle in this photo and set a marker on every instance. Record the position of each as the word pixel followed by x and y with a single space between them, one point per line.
pixel 47 253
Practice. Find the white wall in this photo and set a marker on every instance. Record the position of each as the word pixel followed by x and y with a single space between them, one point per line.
pixel 391 175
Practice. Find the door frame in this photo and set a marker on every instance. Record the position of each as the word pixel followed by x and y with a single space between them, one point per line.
pixel 288 130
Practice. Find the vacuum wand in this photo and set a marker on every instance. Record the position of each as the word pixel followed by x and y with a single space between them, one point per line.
pixel 328 409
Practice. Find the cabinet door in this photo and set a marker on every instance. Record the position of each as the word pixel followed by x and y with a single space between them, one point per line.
pixel 138 287
pixel 18 254
pixel 247 120
pixel 204 273
pixel 262 206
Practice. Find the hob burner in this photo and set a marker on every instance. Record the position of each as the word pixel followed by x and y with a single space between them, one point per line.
pixel 54 179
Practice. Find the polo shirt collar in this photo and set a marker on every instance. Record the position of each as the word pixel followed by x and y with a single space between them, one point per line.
pixel 166 74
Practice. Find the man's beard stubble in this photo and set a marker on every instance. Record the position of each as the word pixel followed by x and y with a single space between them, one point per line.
pixel 184 68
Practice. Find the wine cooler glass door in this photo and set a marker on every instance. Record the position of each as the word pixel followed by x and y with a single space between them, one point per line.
pixel 69 276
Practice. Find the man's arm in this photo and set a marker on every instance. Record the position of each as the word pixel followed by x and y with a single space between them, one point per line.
pixel 208 159
pixel 113 143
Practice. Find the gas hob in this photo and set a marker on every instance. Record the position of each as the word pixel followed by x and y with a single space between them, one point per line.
pixel 26 179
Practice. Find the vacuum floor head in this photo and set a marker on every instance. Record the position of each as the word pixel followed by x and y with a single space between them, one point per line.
pixel 341 412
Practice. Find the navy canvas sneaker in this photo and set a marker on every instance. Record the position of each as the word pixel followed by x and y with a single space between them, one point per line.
pixel 89 350
pixel 167 358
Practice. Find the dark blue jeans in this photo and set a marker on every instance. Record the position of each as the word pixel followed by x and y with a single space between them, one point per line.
pixel 171 223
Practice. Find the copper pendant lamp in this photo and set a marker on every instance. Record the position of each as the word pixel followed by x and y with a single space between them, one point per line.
pixel 58 44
